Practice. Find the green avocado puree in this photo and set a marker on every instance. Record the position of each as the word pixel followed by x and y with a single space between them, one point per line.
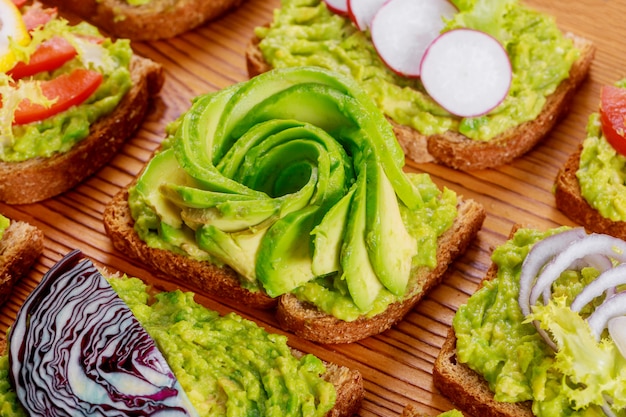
pixel 602 172
pixel 304 32
pixel 4 223
pixel 228 366
pixel 494 340
pixel 61 132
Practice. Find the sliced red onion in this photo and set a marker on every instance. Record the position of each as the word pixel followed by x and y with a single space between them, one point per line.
pixel 611 308
pixel 617 330
pixel 77 350
pixel 606 281
pixel 538 256
pixel 578 249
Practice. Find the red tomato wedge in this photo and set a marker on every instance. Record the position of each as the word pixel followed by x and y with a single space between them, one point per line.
pixel 613 116
pixel 68 89
pixel 49 56
pixel 19 3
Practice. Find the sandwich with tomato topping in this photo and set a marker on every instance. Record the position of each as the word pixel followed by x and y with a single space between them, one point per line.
pixel 70 99
pixel 590 188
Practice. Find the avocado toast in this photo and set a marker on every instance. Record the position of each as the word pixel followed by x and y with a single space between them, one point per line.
pixel 590 187
pixel 88 94
pixel 20 245
pixel 541 335
pixel 306 33
pixel 291 185
pixel 122 347
pixel 143 20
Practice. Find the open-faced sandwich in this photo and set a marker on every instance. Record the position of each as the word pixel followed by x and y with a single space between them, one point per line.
pixel 143 20
pixel 70 99
pixel 590 188
pixel 20 245
pixel 544 334
pixel 289 189
pixel 469 84
pixel 88 345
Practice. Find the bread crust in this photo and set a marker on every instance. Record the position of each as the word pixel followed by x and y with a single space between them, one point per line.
pixel 158 20
pixel 20 246
pixel 467 389
pixel 40 178
pixel 458 151
pixel 570 201
pixel 300 318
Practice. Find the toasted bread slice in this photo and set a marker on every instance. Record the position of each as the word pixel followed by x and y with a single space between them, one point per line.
pixel 20 246
pixel 308 322
pixel 468 390
pixel 570 201
pixel 456 150
pixel 300 318
pixel 155 20
pixel 41 178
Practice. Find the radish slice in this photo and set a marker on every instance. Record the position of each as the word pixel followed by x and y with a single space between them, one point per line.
pixel 402 30
pixel 362 12
pixel 337 6
pixel 467 72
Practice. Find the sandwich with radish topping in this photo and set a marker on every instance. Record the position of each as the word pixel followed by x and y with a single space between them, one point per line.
pixel 467 84
pixel 70 99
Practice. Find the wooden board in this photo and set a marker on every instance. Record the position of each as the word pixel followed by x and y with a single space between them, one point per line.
pixel 396 365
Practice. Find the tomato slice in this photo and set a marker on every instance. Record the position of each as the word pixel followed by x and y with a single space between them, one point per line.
pixel 613 116
pixel 19 3
pixel 49 56
pixel 68 89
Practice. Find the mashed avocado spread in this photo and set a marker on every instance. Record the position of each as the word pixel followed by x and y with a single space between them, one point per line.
pixel 4 223
pixel 494 339
pixel 228 366
pixel 62 131
pixel 602 172
pixel 304 32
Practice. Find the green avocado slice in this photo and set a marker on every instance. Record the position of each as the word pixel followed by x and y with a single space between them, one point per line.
pixel 284 257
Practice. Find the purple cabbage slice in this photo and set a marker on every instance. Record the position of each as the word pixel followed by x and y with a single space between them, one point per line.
pixel 76 349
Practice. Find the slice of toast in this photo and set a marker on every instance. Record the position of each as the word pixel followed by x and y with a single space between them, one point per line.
pixel 41 178
pixel 468 390
pixel 456 150
pixel 20 246
pixel 569 200
pixel 300 318
pixel 155 20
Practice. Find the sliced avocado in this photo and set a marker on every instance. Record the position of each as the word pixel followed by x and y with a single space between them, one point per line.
pixel 233 216
pixel 184 195
pixel 362 281
pixel 284 257
pixel 328 237
pixel 237 250
pixel 162 169
pixel 390 246
pixel 183 238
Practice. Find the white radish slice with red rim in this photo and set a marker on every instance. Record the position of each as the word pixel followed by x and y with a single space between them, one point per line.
pixel 402 30
pixel 337 6
pixel 362 12
pixel 468 72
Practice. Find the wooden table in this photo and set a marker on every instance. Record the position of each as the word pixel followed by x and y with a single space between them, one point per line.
pixel 396 365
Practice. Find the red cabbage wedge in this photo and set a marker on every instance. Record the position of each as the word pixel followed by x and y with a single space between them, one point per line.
pixel 76 349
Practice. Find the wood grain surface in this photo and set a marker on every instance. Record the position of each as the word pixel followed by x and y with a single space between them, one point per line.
pixel 396 365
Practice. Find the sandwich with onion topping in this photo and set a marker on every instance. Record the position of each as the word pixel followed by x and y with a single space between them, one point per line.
pixel 544 334
pixel 70 99
pixel 86 345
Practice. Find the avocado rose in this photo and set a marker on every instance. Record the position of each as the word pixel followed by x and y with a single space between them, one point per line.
pixel 290 178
